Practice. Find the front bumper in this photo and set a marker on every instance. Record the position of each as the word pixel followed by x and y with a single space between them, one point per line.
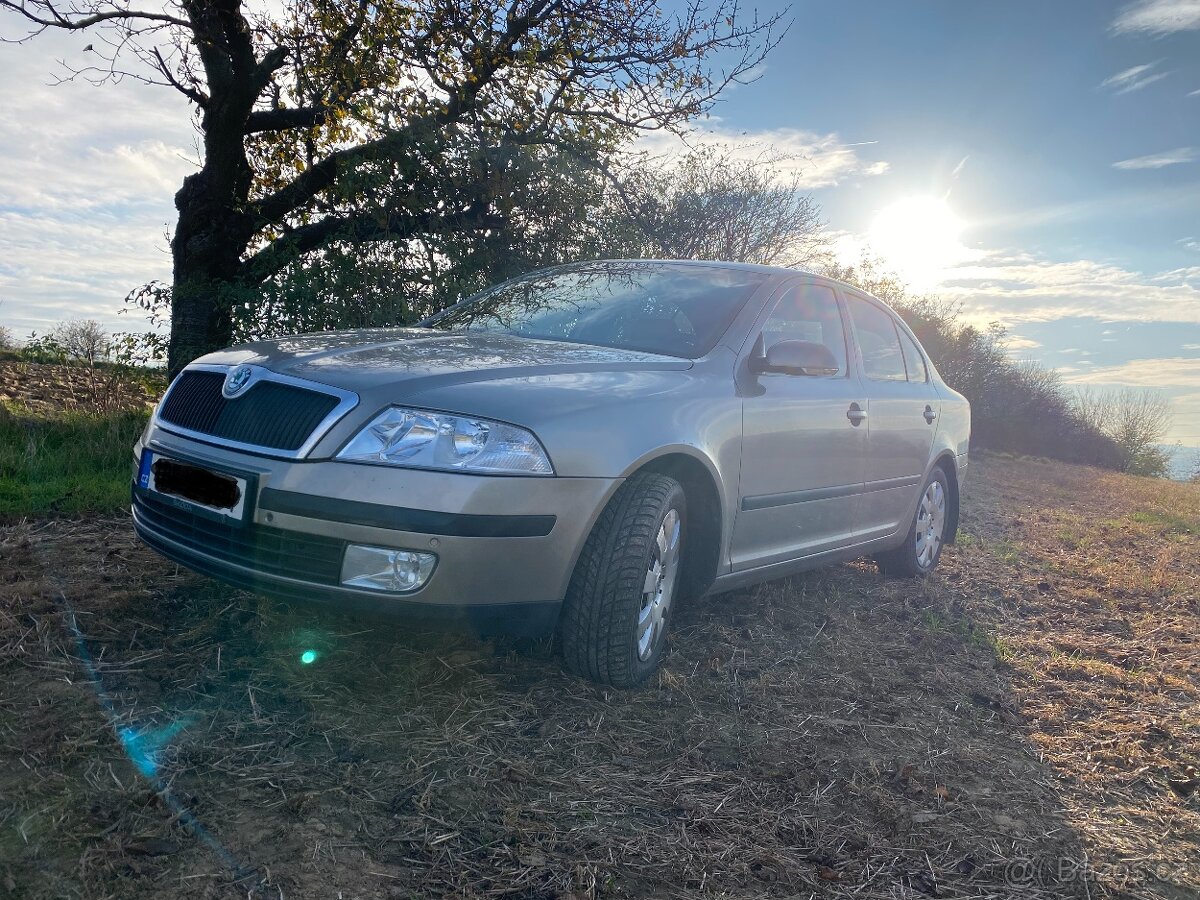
pixel 506 546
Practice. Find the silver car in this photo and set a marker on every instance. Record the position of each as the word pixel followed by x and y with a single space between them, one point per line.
pixel 578 448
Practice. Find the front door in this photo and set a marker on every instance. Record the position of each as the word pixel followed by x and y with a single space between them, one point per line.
pixel 803 443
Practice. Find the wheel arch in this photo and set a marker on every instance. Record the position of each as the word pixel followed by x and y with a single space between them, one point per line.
pixel 947 464
pixel 705 515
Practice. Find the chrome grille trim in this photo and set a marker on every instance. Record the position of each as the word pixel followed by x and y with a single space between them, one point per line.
pixel 347 400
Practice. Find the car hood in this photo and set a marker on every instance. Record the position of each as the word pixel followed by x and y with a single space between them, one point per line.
pixel 421 359
pixel 593 408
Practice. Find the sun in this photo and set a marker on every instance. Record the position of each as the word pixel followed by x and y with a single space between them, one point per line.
pixel 919 239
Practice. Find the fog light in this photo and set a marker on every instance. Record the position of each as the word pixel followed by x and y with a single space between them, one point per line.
pixel 383 569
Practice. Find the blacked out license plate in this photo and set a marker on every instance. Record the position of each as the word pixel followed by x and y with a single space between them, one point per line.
pixel 195 486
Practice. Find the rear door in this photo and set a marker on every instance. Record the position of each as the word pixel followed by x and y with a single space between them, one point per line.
pixel 802 455
pixel 903 407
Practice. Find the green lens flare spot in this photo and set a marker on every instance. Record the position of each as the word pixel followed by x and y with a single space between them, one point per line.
pixel 308 657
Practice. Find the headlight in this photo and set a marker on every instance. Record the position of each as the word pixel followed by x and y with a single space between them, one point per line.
pixel 428 440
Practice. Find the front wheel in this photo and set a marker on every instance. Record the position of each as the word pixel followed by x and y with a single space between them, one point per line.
pixel 619 603
pixel 922 547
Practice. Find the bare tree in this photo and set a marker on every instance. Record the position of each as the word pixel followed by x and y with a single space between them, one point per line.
pixel 387 120
pixel 1136 419
pixel 83 339
pixel 714 204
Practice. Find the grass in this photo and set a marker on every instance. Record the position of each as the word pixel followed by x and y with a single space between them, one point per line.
pixel 1008 552
pixel 969 633
pixel 1166 522
pixel 68 464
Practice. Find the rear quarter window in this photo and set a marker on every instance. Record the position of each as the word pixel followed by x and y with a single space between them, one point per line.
pixel 914 361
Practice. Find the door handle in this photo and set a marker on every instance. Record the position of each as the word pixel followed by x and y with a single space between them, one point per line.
pixel 856 414
pixel 929 414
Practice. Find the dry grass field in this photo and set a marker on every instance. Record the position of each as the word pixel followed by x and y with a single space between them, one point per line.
pixel 1024 724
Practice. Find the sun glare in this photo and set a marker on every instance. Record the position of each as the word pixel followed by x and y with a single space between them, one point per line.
pixel 918 238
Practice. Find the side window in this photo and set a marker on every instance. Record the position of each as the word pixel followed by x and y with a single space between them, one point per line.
pixel 883 360
pixel 913 360
pixel 808 312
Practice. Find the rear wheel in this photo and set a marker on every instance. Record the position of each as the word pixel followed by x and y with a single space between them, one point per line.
pixel 922 547
pixel 619 603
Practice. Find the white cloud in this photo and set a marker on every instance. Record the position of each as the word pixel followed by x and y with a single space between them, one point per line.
pixel 1159 160
pixel 1021 287
pixel 1158 17
pixel 1186 274
pixel 1171 371
pixel 87 180
pixel 1133 79
pixel 1015 344
pixel 820 160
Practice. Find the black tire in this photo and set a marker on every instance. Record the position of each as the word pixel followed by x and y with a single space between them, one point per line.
pixel 904 561
pixel 599 624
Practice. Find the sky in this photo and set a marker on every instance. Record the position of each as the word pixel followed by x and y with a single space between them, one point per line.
pixel 1039 162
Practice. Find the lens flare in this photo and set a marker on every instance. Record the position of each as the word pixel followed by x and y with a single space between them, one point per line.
pixel 920 239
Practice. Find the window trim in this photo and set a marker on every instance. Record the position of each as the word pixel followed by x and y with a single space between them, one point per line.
pixel 905 335
pixel 756 330
pixel 891 315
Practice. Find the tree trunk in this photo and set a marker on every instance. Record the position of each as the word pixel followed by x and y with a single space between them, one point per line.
pixel 211 236
pixel 205 252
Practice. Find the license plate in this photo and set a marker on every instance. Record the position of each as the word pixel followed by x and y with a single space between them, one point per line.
pixel 192 486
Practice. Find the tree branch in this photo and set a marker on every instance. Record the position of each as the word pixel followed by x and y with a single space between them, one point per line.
pixel 45 14
pixel 275 207
pixel 283 119
pixel 260 76
pixel 360 228
pixel 194 94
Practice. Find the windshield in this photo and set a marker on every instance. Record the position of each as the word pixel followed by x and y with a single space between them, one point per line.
pixel 676 310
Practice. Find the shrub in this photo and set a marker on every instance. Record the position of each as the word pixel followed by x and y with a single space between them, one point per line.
pixel 1017 407
pixel 44 349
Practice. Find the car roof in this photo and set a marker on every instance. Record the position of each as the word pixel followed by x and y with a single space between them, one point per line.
pixel 775 271
pixel 710 264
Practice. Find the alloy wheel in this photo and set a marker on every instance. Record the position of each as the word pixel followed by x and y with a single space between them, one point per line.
pixel 659 587
pixel 931 524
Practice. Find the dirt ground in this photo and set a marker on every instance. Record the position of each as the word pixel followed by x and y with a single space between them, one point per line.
pixel 42 388
pixel 1026 724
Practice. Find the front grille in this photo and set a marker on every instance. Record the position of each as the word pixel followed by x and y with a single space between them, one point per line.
pixel 272 551
pixel 270 414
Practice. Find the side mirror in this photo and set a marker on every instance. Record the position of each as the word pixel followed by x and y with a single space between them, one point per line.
pixel 795 358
